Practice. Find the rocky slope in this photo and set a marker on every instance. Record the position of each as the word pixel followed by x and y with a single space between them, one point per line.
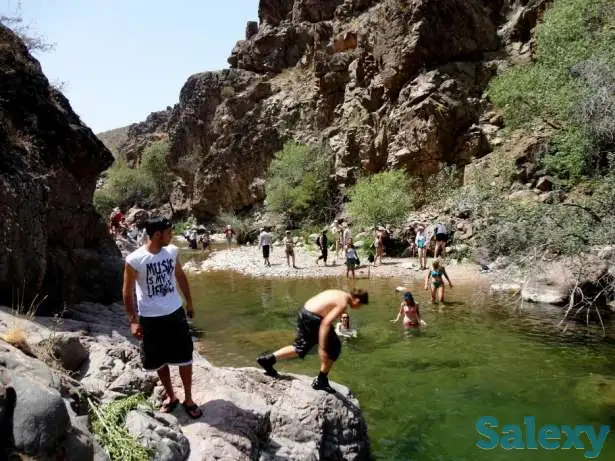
pixel 379 83
pixel 53 242
pixel 246 415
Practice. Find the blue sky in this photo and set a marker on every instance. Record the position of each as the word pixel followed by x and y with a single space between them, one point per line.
pixel 122 59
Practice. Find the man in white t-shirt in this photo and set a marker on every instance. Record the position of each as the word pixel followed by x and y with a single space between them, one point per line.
pixel 264 241
pixel 154 272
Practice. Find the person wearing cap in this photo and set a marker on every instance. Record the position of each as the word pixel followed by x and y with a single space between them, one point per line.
pixel 264 242
pixel 154 272
pixel 421 243
pixel 410 311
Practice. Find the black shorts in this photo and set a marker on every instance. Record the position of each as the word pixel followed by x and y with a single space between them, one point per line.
pixel 441 237
pixel 308 331
pixel 265 251
pixel 166 340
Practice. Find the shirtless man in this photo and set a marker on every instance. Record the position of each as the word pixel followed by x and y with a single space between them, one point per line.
pixel 315 326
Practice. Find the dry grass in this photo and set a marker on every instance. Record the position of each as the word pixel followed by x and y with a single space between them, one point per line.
pixel 16 337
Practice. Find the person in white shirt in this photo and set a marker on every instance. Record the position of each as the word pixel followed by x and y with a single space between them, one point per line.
pixel 264 242
pixel 153 271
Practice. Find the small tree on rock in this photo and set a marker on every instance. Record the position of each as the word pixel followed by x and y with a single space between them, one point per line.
pixel 382 198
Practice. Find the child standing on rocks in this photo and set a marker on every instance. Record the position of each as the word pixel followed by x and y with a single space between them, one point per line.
pixel 352 259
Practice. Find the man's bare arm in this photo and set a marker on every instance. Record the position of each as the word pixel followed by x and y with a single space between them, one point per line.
pixel 325 324
pixel 128 289
pixel 182 281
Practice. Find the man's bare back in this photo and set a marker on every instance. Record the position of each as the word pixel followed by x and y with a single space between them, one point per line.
pixel 325 301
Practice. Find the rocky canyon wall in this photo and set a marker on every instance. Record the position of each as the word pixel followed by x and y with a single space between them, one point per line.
pixel 380 83
pixel 54 244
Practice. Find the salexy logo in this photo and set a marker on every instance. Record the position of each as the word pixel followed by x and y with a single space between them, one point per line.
pixel 548 437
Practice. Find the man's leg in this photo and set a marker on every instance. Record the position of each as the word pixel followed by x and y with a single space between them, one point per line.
pixel 165 378
pixel 333 349
pixel 267 361
pixel 185 372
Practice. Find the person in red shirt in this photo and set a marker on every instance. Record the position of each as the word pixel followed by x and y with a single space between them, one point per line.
pixel 228 233
pixel 116 221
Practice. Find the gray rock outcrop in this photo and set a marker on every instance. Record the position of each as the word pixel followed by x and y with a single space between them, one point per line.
pixel 246 415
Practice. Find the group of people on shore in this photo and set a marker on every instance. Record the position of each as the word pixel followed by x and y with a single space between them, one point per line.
pixel 153 278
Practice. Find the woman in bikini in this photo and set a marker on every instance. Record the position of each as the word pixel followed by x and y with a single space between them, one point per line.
pixel 379 244
pixel 435 275
pixel 412 316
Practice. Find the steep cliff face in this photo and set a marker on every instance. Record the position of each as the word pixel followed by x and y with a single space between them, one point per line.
pixel 53 242
pixel 381 83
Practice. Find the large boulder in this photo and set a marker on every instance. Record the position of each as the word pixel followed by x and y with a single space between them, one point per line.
pixel 159 432
pixel 223 141
pixel 247 415
pixel 53 242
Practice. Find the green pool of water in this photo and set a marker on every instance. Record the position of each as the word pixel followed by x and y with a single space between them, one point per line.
pixel 422 396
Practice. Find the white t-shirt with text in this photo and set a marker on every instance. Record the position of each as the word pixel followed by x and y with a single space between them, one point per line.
pixel 156 287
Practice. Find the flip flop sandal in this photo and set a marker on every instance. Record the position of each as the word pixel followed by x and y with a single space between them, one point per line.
pixel 169 406
pixel 193 411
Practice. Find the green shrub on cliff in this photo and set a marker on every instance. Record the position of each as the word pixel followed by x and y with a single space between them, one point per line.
pixel 154 163
pixel 125 187
pixel 298 182
pixel 568 86
pixel 383 198
pixel 147 186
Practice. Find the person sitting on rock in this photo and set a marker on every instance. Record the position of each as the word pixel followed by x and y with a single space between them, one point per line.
pixel 315 327
pixel 437 283
pixel 153 272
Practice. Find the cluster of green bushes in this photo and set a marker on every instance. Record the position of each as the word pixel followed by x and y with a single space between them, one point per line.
pixel 569 87
pixel 299 187
pixel 299 184
pixel 149 185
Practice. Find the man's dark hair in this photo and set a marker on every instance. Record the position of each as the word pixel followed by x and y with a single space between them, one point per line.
pixel 155 224
pixel 359 294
